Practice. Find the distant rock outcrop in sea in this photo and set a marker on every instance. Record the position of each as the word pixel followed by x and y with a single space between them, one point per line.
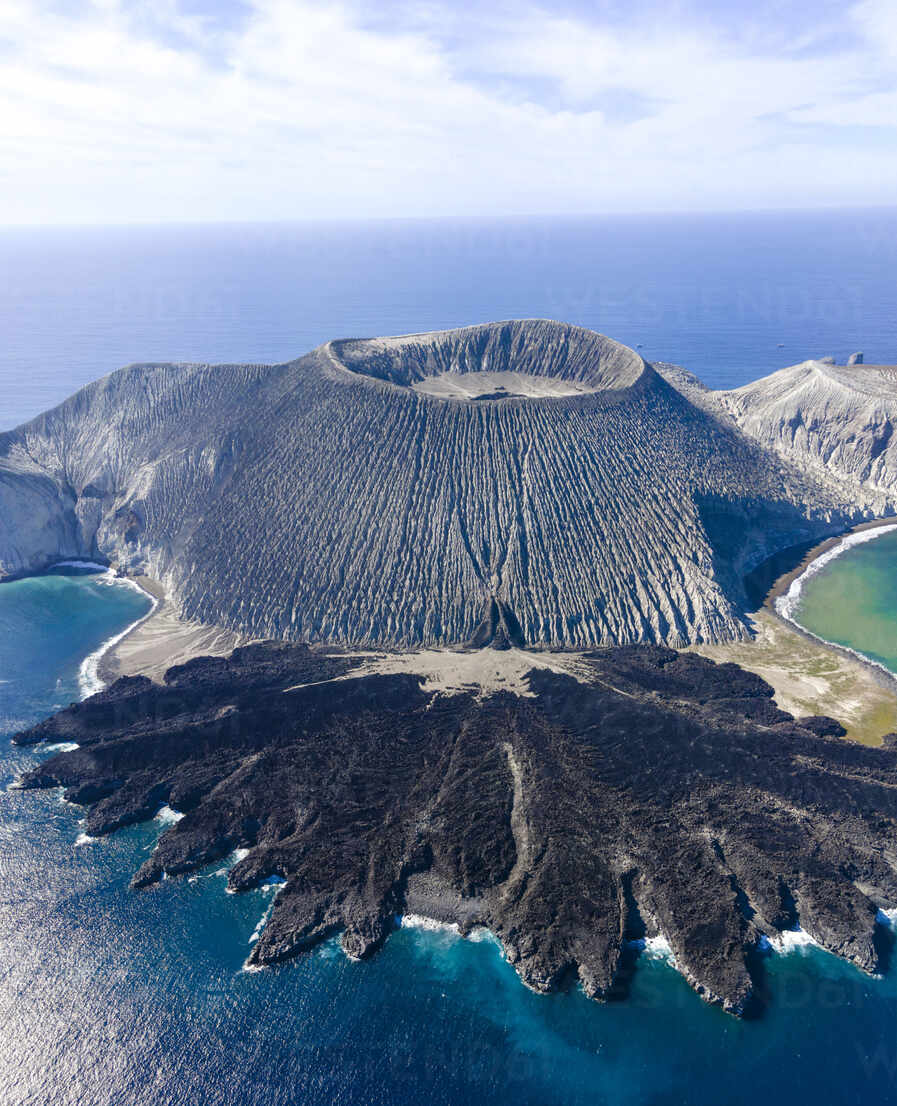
pixel 528 478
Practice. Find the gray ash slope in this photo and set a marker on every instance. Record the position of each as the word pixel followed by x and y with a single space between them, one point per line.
pixel 831 419
pixel 331 498
pixel 658 788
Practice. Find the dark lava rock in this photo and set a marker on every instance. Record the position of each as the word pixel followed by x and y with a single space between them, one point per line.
pixel 658 786
pixel 822 726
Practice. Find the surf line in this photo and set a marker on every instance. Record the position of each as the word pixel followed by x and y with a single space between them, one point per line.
pixel 786 605
pixel 89 682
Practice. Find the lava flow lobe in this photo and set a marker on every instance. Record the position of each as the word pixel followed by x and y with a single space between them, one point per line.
pixel 654 790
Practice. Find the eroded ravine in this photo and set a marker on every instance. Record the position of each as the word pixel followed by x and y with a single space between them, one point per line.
pixel 329 500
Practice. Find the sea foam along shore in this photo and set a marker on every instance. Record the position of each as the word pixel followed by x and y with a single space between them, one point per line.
pixel 89 681
pixel 786 604
pixel 421 921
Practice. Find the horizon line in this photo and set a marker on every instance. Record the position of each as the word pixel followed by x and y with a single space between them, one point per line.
pixel 342 220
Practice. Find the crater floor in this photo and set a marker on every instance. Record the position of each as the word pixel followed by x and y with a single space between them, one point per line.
pixel 498 385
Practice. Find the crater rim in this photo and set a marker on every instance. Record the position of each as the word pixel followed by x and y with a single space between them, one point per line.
pixel 515 360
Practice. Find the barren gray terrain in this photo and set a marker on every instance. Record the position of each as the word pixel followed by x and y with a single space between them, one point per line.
pixel 838 419
pixel 368 493
pixel 517 484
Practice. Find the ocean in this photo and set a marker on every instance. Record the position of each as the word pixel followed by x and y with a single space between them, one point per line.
pixel 108 996
pixel 730 297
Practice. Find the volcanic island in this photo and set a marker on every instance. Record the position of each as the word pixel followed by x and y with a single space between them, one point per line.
pixel 429 634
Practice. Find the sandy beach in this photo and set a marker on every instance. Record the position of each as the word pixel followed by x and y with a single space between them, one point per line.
pixel 163 640
pixel 808 676
pixel 811 676
pixel 784 582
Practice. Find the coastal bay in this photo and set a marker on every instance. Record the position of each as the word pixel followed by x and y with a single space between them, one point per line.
pixel 193 1023
pixel 811 671
pixel 141 997
pixel 849 597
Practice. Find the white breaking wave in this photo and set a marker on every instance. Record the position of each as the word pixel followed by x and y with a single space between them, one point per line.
pixel 167 816
pixel 62 747
pixel 791 940
pixel 268 885
pixel 235 857
pixel 480 934
pixel 786 605
pixel 257 932
pixel 89 682
pixel 85 839
pixel 659 948
pixel 421 921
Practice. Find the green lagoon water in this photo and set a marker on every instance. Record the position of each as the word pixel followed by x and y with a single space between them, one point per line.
pixel 115 998
pixel 852 600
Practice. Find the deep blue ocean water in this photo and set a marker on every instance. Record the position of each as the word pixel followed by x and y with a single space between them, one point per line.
pixel 730 297
pixel 109 996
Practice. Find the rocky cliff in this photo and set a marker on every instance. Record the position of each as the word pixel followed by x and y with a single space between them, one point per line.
pixel 529 479
pixel 655 791
pixel 834 420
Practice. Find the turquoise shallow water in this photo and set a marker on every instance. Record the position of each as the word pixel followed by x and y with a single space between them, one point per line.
pixel 113 997
pixel 852 600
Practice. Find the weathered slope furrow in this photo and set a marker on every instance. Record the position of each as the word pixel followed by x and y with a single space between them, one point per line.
pixel 838 419
pixel 326 499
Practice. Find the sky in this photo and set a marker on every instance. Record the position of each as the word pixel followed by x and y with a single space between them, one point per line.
pixel 184 110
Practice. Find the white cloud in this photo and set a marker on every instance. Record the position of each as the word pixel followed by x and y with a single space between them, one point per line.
pixel 876 20
pixel 301 111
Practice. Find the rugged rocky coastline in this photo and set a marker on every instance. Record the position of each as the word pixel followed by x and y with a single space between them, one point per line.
pixel 656 789
pixel 512 485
